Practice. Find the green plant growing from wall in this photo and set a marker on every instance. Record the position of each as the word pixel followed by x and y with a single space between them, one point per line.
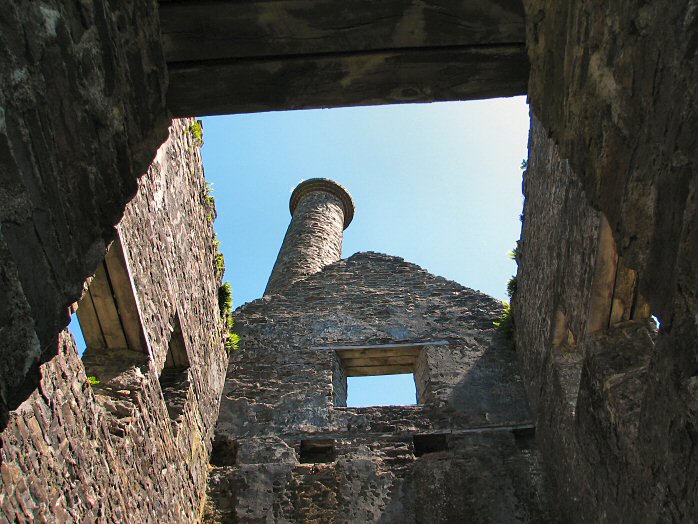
pixel 210 200
pixel 511 287
pixel 225 299
pixel 93 381
pixel 197 132
pixel 218 259
pixel 515 254
pixel 505 324
pixel 225 304
pixel 232 341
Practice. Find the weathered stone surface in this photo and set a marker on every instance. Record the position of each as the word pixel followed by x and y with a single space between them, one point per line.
pixel 82 88
pixel 111 452
pixel 285 390
pixel 615 85
pixel 195 31
pixel 590 384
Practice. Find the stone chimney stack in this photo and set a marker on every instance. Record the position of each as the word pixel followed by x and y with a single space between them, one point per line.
pixel 321 210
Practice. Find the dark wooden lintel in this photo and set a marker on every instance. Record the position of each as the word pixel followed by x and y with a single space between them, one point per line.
pixel 347 79
pixel 198 30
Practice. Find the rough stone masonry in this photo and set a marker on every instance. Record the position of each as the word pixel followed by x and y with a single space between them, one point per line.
pixel 126 445
pixel 287 449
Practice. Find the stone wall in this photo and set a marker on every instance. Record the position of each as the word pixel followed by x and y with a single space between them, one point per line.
pixel 613 85
pixel 75 451
pixel 286 449
pixel 82 90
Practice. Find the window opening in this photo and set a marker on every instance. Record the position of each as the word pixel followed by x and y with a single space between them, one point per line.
pixel 382 390
pixel 115 352
pixel 380 375
pixel 317 451
pixel 110 322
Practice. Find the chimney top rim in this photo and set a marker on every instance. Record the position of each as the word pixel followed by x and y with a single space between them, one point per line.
pixel 328 186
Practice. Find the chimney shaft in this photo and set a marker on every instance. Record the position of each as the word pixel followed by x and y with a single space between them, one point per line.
pixel 321 210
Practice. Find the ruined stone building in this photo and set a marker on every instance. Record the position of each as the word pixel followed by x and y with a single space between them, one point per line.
pixel 593 418
pixel 288 449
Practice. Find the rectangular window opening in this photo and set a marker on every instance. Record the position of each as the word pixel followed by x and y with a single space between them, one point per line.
pixel 110 338
pixel 381 374
pixel 382 390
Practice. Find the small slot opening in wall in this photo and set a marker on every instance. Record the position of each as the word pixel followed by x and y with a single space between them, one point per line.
pixel 430 443
pixel 317 451
pixel 224 452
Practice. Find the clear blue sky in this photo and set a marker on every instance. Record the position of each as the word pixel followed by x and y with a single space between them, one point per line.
pixel 437 184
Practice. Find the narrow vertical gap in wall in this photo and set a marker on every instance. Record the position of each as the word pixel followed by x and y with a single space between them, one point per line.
pixel 76 330
pixel 174 378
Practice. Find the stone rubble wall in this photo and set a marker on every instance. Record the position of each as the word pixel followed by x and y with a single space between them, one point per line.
pixel 62 461
pixel 280 391
pixel 82 110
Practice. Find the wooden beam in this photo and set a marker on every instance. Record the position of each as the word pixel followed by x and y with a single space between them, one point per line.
pixel 197 30
pixel 103 300
pixel 408 351
pixel 386 360
pixel 366 371
pixel 369 78
pixel 89 323
pixel 408 345
pixel 124 297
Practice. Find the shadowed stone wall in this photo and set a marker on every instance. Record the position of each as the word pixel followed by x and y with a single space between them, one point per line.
pixel 613 149
pixel 82 90
pixel 588 384
pixel 111 452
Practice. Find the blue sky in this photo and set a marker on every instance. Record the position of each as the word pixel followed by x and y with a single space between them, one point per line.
pixel 437 184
